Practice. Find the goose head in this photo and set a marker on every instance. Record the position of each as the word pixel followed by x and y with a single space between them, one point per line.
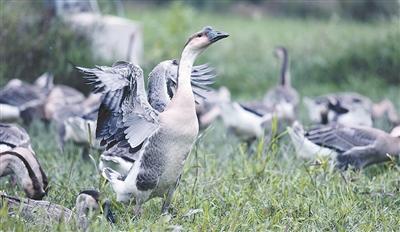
pixel 12 162
pixel 89 201
pixel 280 52
pixel 199 41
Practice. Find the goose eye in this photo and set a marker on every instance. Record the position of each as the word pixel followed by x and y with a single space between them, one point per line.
pixel 199 35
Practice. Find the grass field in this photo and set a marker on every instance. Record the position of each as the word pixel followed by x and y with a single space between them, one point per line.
pixel 223 188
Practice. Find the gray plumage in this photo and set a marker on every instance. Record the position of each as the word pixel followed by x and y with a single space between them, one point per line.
pixel 345 108
pixel 163 81
pixel 283 98
pixel 357 146
pixel 127 119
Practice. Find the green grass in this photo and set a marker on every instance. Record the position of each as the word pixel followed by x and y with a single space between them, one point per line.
pixel 234 191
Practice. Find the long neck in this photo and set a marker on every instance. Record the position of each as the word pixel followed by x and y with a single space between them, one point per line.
pixel 285 73
pixel 184 73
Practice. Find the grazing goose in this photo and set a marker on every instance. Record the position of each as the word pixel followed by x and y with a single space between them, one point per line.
pixel 43 212
pixel 357 146
pixel 87 202
pixel 22 100
pixel 349 108
pixel 162 87
pixel 22 163
pixel 283 99
pixel 164 139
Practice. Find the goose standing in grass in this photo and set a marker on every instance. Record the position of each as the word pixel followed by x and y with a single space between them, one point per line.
pixel 164 139
pixel 162 83
pixel 357 146
pixel 249 120
pixel 349 108
pixel 283 99
pixel 20 100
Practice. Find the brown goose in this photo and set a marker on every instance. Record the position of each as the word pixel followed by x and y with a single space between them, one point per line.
pixel 22 163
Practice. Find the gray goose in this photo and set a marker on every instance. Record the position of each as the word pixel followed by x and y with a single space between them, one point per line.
pixel 357 146
pixel 164 139
pixel 162 84
pixel 283 99
pixel 21 100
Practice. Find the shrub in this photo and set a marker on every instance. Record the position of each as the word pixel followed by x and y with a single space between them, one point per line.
pixel 32 42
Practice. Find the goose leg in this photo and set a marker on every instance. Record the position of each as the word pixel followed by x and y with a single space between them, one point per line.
pixel 138 209
pixel 85 152
pixel 168 197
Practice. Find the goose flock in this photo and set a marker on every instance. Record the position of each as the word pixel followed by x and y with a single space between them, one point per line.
pixel 145 137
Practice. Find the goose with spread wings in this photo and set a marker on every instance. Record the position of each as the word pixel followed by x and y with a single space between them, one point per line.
pixel 126 118
pixel 162 83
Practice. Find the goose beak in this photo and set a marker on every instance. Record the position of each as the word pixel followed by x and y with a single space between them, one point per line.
pixel 213 35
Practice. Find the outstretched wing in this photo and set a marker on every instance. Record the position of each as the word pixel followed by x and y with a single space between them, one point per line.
pixel 201 78
pixel 125 117
pixel 340 138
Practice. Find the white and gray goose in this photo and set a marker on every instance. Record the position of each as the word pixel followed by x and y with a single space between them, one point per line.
pixel 283 99
pixel 162 84
pixel 357 146
pixel 164 139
